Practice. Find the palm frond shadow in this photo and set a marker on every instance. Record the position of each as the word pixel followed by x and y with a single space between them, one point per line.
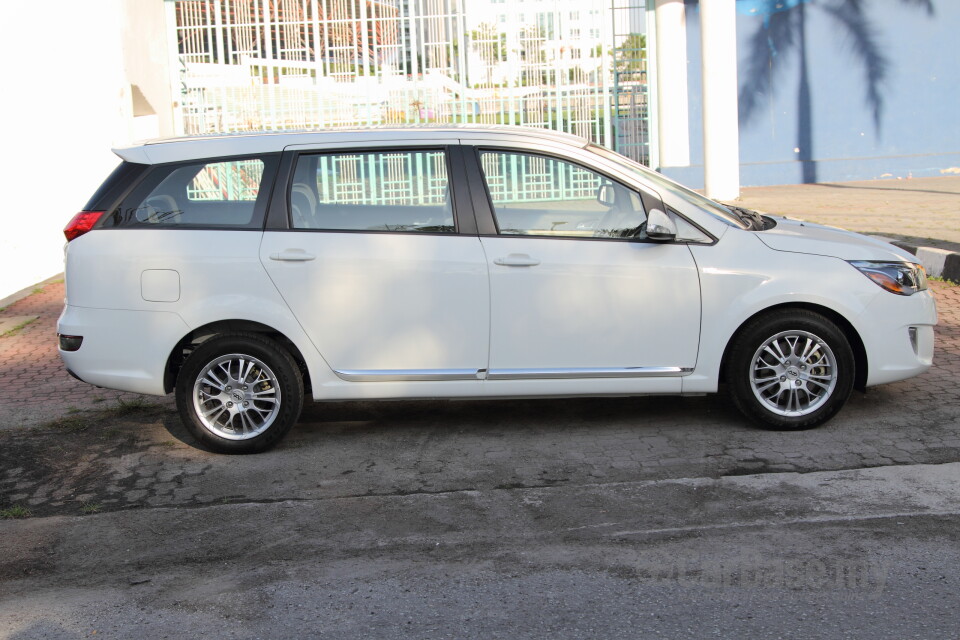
pixel 780 38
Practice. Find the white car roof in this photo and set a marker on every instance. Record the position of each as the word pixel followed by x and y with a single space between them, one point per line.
pixel 259 142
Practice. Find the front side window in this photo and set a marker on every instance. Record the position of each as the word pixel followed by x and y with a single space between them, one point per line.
pixel 404 191
pixel 545 196
pixel 204 194
pixel 664 183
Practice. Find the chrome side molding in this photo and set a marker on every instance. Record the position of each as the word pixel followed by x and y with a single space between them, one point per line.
pixel 438 375
pixel 408 375
pixel 605 372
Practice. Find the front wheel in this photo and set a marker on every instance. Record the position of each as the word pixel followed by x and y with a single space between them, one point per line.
pixel 239 393
pixel 792 369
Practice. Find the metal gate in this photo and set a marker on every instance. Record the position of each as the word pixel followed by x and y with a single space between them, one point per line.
pixel 631 89
pixel 567 65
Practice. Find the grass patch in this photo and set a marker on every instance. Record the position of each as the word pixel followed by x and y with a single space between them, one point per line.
pixel 89 508
pixel 942 280
pixel 76 423
pixel 79 420
pixel 126 407
pixel 17 328
pixel 15 512
pixel 132 407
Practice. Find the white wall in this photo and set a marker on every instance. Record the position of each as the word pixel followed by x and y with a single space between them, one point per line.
pixel 146 60
pixel 66 101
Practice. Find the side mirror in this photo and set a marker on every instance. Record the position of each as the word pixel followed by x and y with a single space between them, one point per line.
pixel 660 226
pixel 606 195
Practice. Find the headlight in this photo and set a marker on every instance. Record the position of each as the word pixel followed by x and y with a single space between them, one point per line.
pixel 902 278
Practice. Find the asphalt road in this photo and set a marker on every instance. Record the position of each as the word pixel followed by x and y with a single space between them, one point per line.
pixel 577 518
pixel 856 554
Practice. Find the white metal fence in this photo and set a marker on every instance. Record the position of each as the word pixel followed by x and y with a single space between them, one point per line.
pixel 290 64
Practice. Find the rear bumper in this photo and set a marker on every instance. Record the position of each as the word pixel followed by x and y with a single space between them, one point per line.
pixel 123 350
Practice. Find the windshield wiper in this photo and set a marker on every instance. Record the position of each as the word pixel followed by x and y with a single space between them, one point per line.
pixel 753 220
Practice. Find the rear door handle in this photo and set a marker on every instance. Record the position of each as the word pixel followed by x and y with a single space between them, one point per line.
pixel 517 260
pixel 292 255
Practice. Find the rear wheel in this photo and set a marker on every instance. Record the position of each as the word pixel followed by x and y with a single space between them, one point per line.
pixel 239 393
pixel 791 369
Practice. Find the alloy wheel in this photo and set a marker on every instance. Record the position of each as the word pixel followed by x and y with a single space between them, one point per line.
pixel 793 373
pixel 236 396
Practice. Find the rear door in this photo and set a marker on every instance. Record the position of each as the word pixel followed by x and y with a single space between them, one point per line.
pixel 381 267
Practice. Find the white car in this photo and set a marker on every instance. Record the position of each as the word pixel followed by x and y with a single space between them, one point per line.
pixel 242 272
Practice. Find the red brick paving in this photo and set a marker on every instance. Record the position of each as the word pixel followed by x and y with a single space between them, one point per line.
pixel 35 388
pixel 946 356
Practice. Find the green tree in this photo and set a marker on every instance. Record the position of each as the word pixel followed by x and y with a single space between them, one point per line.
pixel 631 55
pixel 490 45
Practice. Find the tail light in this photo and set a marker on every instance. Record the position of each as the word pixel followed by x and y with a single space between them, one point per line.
pixel 81 223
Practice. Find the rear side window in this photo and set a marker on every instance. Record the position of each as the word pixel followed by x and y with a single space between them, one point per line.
pixel 404 191
pixel 216 194
pixel 121 179
pixel 237 180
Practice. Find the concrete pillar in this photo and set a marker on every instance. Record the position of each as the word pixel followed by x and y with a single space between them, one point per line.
pixel 721 133
pixel 672 99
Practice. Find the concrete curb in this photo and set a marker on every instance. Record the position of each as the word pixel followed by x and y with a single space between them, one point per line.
pixel 939 263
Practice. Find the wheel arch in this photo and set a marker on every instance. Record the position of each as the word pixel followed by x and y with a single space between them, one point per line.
pixel 853 337
pixel 203 333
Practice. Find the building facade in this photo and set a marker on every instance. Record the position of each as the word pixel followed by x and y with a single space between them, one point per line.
pixel 827 90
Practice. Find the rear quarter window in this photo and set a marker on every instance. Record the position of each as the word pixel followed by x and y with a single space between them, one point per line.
pixel 125 175
pixel 221 193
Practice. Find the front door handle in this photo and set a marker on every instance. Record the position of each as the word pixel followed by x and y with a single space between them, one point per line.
pixel 292 255
pixel 517 260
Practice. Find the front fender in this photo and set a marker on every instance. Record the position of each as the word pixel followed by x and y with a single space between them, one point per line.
pixel 741 277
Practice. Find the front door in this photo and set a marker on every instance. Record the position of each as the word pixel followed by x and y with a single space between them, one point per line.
pixel 574 289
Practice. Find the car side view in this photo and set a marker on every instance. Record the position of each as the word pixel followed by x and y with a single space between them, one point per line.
pixel 244 273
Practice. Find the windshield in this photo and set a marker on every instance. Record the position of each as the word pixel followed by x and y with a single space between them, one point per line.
pixel 666 184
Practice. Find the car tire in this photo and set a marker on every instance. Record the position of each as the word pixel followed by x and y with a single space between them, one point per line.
pixel 790 370
pixel 239 393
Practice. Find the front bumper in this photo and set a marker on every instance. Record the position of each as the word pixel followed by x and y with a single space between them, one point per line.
pixel 897 332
